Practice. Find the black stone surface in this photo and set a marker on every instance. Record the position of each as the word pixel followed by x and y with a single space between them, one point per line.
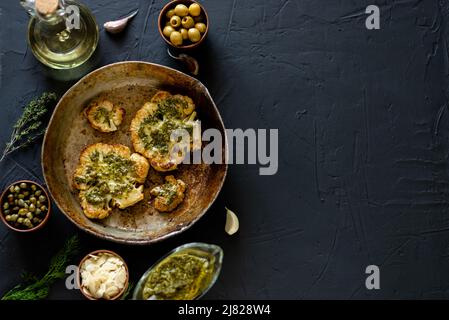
pixel 363 150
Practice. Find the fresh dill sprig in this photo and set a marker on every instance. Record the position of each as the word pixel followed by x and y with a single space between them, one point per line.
pixel 35 288
pixel 30 126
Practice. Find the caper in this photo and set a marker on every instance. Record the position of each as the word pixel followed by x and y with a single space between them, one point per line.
pixel 8 218
pixel 6 211
pixel 26 193
pixel 194 9
pixel 23 212
pixel 21 196
pixel 21 203
pixel 170 13
pixel 16 189
pixel 27 202
pixel 20 220
pixel 15 209
pixel 33 187
pixel 16 201
pixel 36 221
pixel 33 199
pixel 14 217
pixel 10 197
pixel 38 211
pixel 176 38
pixel 184 34
pixel 38 204
pixel 29 215
pixel 194 35
pixel 187 22
pixel 27 223
pixel 11 189
pixel 38 193
pixel 42 199
pixel 23 185
pixel 201 27
pixel 167 31
pixel 181 10
pixel 6 205
pixel 44 208
pixel 175 21
pixel 32 207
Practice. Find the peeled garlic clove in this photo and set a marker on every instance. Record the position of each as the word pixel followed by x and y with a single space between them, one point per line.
pixel 117 26
pixel 232 222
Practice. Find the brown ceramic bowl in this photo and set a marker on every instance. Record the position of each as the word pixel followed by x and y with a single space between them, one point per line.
pixel 162 19
pixel 93 253
pixel 3 198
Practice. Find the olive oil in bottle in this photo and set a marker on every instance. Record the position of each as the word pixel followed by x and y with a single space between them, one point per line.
pixel 62 34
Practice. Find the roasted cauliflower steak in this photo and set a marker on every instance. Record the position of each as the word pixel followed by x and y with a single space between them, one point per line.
pixel 108 176
pixel 153 124
pixel 104 116
pixel 169 195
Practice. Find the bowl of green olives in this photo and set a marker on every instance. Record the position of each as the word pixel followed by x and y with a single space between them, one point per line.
pixel 183 24
pixel 25 206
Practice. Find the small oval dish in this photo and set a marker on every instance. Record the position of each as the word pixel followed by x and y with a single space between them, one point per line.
pixel 103 275
pixel 201 261
pixel 25 206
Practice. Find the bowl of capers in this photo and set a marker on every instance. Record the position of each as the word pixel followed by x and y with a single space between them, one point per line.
pixel 183 24
pixel 25 206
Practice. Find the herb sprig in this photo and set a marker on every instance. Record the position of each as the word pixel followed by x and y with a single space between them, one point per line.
pixel 30 126
pixel 35 288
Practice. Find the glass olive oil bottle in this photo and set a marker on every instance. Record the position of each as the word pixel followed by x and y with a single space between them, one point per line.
pixel 62 34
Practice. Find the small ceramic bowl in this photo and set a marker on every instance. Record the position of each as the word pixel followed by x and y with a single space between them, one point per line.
pixel 162 19
pixel 93 253
pixel 210 249
pixel 3 200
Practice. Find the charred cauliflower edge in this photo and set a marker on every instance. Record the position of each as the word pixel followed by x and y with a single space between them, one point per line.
pixel 107 176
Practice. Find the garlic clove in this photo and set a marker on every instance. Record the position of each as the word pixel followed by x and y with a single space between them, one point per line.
pixel 232 222
pixel 190 62
pixel 117 26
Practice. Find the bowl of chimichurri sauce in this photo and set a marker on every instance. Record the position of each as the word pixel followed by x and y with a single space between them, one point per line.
pixel 186 273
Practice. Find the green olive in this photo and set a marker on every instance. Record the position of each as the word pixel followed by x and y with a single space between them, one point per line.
pixel 38 193
pixel 201 27
pixel 176 38
pixel 6 205
pixel 195 9
pixel 175 21
pixel 181 10
pixel 194 35
pixel 170 13
pixel 184 34
pixel 42 199
pixel 167 31
pixel 23 185
pixel 187 22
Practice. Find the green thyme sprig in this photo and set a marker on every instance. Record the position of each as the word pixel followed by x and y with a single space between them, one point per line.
pixel 30 126
pixel 35 288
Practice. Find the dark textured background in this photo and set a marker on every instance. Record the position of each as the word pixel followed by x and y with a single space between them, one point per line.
pixel 363 167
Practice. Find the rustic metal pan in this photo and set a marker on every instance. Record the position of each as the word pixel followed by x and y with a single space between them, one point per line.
pixel 129 84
